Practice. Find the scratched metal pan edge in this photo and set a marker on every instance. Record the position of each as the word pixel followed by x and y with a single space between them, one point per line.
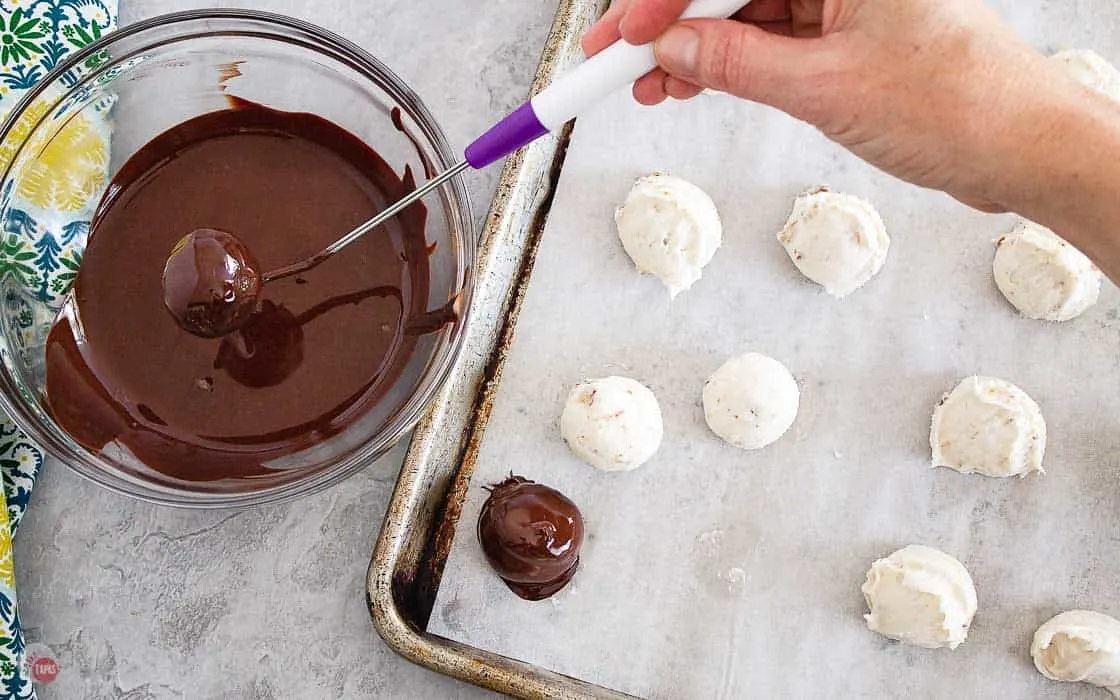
pixel 412 547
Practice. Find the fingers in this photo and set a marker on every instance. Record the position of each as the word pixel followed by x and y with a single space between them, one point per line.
pixel 604 32
pixel 747 61
pixel 655 86
pixel 646 19
pixel 775 16
pixel 642 21
pixel 681 89
pixel 654 16
pixel 649 89
pixel 782 28
pixel 807 11
pixel 807 17
pixel 766 11
pixel 650 18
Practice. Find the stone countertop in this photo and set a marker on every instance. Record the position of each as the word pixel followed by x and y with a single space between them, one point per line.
pixel 144 602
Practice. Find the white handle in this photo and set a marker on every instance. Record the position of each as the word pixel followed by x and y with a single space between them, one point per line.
pixel 614 68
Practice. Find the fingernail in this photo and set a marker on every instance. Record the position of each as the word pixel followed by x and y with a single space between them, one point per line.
pixel 677 50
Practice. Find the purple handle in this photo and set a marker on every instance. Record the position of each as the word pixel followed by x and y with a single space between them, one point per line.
pixel 517 130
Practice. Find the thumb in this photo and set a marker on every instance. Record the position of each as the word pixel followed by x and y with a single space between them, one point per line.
pixel 745 61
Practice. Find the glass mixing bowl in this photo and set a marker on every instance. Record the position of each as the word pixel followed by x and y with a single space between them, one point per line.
pixel 129 87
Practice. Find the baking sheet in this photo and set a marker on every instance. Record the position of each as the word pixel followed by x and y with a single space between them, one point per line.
pixel 713 572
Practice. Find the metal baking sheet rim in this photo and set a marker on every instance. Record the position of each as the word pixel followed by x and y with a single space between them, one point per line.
pixel 416 534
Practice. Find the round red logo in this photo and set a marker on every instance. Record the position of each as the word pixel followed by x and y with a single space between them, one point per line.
pixel 44 669
pixel 39 663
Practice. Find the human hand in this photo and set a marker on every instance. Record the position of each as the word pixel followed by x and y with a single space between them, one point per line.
pixel 642 21
pixel 938 92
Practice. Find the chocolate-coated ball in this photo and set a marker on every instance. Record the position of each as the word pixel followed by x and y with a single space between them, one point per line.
pixel 531 535
pixel 210 283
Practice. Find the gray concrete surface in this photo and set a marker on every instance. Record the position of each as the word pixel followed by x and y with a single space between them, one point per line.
pixel 145 603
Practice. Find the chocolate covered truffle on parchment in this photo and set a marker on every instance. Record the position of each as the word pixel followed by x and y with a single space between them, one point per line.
pixel 531 535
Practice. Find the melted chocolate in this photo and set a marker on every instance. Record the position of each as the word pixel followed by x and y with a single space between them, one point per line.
pixel 265 351
pixel 531 535
pixel 396 116
pixel 324 346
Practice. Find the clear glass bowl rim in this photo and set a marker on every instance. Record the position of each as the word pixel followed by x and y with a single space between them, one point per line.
pixel 461 223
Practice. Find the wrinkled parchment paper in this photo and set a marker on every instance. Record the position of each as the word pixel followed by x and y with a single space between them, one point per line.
pixel 717 573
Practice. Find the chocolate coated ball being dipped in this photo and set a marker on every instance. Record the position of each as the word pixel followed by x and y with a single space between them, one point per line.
pixel 531 535
pixel 210 283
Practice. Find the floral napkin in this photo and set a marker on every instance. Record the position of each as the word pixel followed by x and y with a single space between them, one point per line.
pixel 40 245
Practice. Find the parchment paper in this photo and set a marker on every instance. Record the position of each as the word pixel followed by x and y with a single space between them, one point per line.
pixel 714 572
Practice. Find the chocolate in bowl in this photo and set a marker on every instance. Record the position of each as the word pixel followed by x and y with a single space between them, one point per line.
pixel 315 356
pixel 287 442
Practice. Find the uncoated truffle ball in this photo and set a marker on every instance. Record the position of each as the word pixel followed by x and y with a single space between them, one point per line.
pixel 613 424
pixel 921 596
pixel 988 426
pixel 751 401
pixel 1079 646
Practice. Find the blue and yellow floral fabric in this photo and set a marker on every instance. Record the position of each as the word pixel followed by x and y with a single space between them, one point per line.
pixel 40 244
